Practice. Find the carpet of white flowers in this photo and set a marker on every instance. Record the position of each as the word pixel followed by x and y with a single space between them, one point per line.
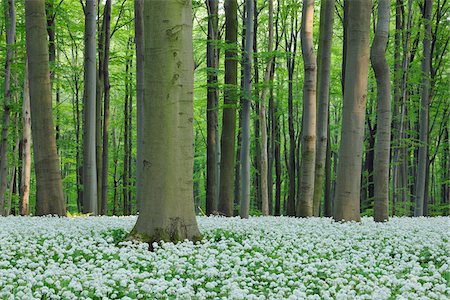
pixel 259 258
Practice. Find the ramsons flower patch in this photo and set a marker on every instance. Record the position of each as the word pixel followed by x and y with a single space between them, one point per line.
pixel 258 258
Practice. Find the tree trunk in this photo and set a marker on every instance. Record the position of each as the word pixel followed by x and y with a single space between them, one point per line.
pixel 24 202
pixel 49 194
pixel 245 150
pixel 10 17
pixel 423 118
pixel 212 60
pixel 347 203
pixel 383 132
pixel 126 140
pixel 167 206
pixel 227 142
pixel 308 136
pixel 262 120
pixel 291 47
pixel 89 161
pixel 106 88
pixel 140 90
pixel 323 98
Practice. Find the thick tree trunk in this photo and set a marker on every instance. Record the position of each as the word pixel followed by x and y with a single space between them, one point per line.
pixel 227 143
pixel 347 203
pixel 308 136
pixel 167 206
pixel 245 150
pixel 24 202
pixel 262 120
pixel 212 60
pixel 423 118
pixel 106 88
pixel 323 98
pixel 140 90
pixel 10 17
pixel 89 159
pixel 49 194
pixel 383 132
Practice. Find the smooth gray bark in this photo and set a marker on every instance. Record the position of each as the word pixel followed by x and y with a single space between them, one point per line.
pixel 89 150
pixel 424 114
pixel 245 147
pixel 308 136
pixel 323 98
pixel 140 91
pixel 228 139
pixel 167 204
pixel 347 202
pixel 383 133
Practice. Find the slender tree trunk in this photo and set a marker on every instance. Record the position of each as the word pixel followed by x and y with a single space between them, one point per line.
pixel 308 136
pixel 140 90
pixel 49 194
pixel 10 17
pixel 291 45
pixel 424 114
pixel 24 202
pixel 229 111
pixel 212 59
pixel 106 88
pixel 323 98
pixel 89 161
pixel 168 129
pixel 347 203
pixel 126 140
pixel 245 150
pixel 262 120
pixel 328 199
pixel 383 132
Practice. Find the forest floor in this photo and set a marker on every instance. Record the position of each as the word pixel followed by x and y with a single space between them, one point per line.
pixel 259 258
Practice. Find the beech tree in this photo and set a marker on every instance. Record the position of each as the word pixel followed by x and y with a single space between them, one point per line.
pixel 323 98
pixel 49 194
pixel 245 146
pixel 212 61
pixel 383 134
pixel 347 201
pixel 422 172
pixel 10 17
pixel 228 139
pixel 167 205
pixel 89 156
pixel 308 138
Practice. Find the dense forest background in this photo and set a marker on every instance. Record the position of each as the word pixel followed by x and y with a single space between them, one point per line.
pixel 283 119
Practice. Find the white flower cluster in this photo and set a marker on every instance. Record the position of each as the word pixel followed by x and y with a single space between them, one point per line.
pixel 258 258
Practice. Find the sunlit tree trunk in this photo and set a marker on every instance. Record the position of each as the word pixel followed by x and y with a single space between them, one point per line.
pixel 10 18
pixel 383 132
pixel 347 202
pixel 167 204
pixel 308 137
pixel 49 194
pixel 227 142
pixel 24 202
pixel 323 98
pixel 89 161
